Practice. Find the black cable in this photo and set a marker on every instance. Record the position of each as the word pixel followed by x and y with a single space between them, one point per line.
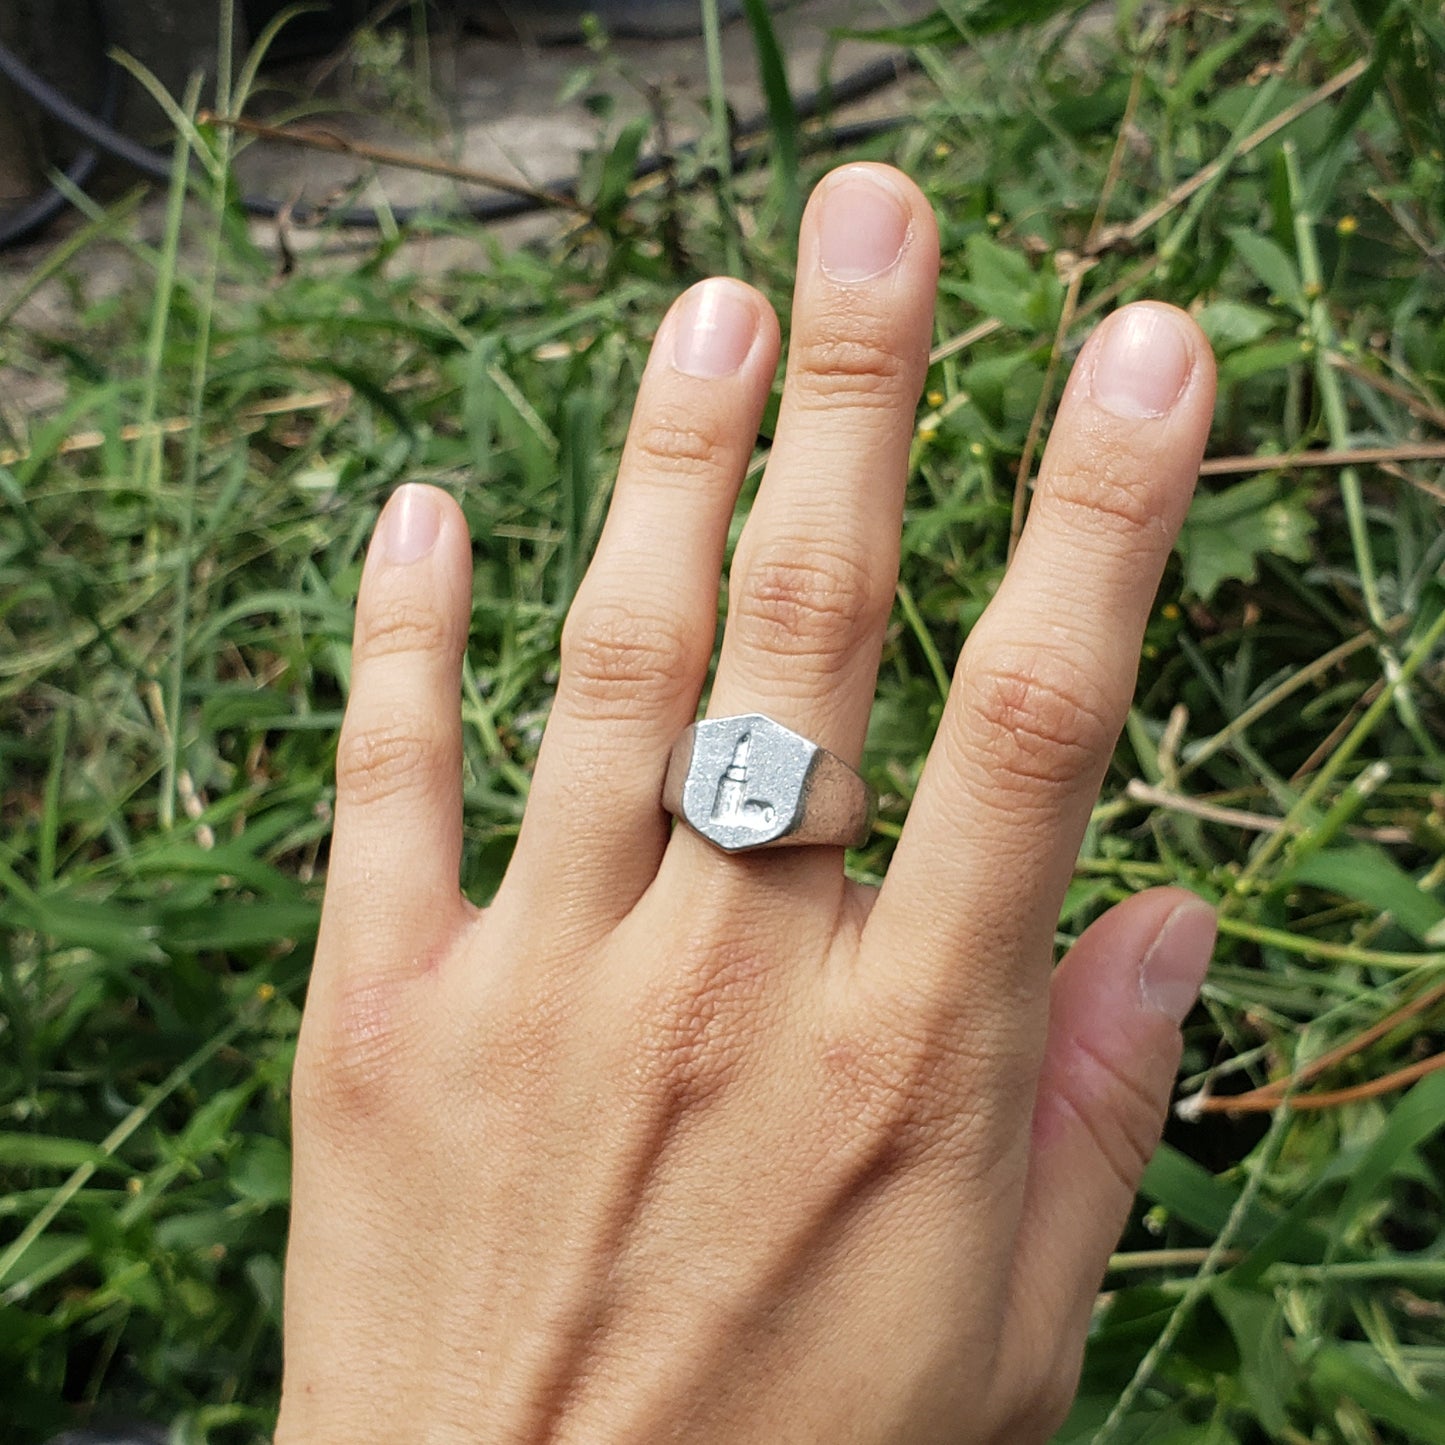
pixel 35 217
pixel 101 135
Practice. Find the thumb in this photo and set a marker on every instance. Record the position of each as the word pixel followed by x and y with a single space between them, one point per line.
pixel 1115 1006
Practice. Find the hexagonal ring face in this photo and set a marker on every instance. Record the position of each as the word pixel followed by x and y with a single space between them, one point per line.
pixel 748 782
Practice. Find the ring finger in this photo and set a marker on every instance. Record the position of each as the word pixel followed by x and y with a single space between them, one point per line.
pixel 638 638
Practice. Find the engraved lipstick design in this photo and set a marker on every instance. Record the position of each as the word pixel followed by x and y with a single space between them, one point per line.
pixel 732 806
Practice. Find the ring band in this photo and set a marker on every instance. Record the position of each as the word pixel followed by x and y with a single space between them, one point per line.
pixel 748 782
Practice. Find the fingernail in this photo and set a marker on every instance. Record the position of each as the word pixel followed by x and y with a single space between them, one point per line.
pixel 715 329
pixel 1141 364
pixel 410 524
pixel 863 228
pixel 1178 959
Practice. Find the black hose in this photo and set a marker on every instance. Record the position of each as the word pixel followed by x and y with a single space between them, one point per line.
pixel 100 134
pixel 35 217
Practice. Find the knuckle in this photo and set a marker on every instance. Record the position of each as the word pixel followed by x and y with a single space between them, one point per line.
pixel 376 761
pixel 682 444
pixel 351 1059
pixel 393 625
pixel 1043 1398
pixel 808 603
pixel 1111 499
pixel 617 659
pixel 689 1026
pixel 843 362
pixel 1041 718
pixel 899 1076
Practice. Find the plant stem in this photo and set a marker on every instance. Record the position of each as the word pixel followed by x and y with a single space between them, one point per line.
pixel 721 133
pixel 1335 764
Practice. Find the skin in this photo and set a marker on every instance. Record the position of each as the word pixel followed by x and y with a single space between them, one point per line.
pixel 671 1145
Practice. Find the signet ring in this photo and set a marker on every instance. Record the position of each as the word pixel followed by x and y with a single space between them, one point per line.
pixel 748 782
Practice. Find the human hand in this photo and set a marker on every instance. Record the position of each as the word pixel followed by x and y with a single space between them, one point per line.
pixel 667 1144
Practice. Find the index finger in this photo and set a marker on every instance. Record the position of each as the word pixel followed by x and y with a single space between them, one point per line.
pixel 1044 683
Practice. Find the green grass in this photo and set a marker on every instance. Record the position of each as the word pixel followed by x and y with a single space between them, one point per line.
pixel 174 632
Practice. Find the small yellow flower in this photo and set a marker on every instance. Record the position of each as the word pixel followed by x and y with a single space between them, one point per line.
pixel 934 398
pixel 927 433
pixel 266 992
pixel 1347 226
pixel 1170 610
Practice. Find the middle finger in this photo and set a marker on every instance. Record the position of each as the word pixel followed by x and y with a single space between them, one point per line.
pixel 815 570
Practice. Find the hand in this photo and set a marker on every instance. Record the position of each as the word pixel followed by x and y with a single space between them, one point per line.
pixel 672 1145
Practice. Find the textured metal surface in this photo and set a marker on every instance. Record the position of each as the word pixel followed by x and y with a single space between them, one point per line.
pixel 748 782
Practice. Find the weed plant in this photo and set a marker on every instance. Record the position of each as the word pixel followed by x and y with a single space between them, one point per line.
pixel 182 534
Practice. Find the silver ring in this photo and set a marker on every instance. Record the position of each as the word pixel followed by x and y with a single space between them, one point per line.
pixel 748 782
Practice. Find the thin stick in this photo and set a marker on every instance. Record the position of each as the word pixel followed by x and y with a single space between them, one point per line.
pixel 87 441
pixel 1342 754
pixel 1420 406
pixel 1113 235
pixel 963 340
pixel 1164 1259
pixel 1324 457
pixel 1256 1102
pixel 1219 1253
pixel 1272 699
pixel 1322 948
pixel 1046 396
pixel 1116 162
pixel 1363 1040
pixel 1143 792
pixel 1078 269
pixel 310 138
pixel 1325 748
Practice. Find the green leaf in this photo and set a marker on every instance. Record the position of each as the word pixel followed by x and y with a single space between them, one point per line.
pixel 782 116
pixel 618 169
pixel 1230 324
pixel 21 1331
pixel 1225 533
pixel 1419 1116
pixel 1002 284
pixel 261 1171
pixel 1368 875
pixel 111 929
pixel 234 923
pixel 210 1128
pixel 1339 1371
pixel 1212 1432
pixel 1257 1322
pixel 1271 264
pixel 1202 74
pixel 264 1274
pixel 1251 361
pixel 40 1151
pixel 1191 1193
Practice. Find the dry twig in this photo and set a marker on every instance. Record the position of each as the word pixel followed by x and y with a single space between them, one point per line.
pixel 311 138
pixel 1281 1092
